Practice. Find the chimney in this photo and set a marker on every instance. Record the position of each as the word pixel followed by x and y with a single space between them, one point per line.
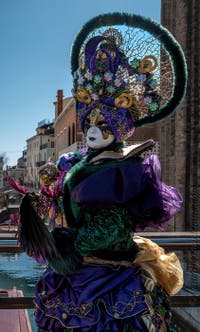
pixel 59 102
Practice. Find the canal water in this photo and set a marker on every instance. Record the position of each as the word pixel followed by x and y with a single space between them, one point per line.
pixel 20 271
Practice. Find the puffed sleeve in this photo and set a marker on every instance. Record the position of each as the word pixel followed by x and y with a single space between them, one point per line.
pixel 67 160
pixel 159 202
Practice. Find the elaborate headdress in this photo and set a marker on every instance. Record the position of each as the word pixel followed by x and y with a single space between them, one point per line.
pixel 129 67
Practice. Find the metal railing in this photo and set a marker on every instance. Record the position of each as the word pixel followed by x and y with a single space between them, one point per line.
pixel 28 302
pixel 183 241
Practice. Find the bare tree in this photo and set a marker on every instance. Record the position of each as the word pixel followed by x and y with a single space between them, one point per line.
pixel 3 160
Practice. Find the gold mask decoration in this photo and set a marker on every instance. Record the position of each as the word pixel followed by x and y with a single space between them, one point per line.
pixel 148 64
pixel 124 100
pixel 83 96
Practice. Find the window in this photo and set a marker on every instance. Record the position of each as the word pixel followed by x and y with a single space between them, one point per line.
pixel 69 136
pixel 73 133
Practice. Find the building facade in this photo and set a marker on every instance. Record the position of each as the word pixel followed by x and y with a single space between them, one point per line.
pixel 180 134
pixel 67 130
pixel 40 150
pixel 1 172
pixel 22 161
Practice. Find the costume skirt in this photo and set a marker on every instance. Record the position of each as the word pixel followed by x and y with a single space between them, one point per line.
pixel 100 298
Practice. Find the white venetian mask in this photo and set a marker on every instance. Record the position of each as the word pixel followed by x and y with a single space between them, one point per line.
pixel 98 134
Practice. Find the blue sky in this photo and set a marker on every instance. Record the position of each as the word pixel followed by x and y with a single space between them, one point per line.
pixel 35 45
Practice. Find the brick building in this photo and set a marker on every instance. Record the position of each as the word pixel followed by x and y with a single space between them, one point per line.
pixel 180 134
pixel 67 130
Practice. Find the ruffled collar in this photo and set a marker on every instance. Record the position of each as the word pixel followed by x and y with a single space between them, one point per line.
pixel 122 153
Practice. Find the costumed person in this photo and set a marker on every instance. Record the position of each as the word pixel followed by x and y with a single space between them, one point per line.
pixel 100 275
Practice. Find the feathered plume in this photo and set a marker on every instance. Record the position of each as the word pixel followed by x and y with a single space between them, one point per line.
pixel 54 248
pixel 34 237
pixel 18 187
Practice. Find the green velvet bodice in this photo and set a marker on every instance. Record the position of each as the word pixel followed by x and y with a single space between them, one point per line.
pixel 107 229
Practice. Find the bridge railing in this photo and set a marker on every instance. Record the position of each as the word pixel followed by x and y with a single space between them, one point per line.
pixel 184 241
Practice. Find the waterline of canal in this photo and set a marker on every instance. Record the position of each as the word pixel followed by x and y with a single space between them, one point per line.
pixel 20 271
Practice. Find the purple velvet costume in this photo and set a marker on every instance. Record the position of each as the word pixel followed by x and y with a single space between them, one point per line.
pixel 107 297
pixel 98 298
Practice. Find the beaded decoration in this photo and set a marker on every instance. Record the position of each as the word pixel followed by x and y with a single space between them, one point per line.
pixel 105 71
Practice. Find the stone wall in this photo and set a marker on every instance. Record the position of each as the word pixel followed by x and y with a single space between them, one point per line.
pixel 180 134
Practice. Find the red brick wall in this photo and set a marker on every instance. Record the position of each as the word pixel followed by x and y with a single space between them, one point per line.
pixel 66 129
pixel 180 134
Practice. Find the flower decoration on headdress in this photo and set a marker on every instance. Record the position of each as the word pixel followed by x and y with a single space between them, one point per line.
pixel 122 71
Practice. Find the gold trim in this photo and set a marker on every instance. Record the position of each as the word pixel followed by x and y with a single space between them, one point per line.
pixel 125 100
pixel 83 96
pixel 98 261
pixel 165 267
pixel 149 63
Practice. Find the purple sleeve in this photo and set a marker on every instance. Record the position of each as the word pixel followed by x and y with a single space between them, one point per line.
pixel 67 160
pixel 161 202
pixel 137 187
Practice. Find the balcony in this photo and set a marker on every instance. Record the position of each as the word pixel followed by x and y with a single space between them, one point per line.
pixel 43 146
pixel 49 145
pixel 40 163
